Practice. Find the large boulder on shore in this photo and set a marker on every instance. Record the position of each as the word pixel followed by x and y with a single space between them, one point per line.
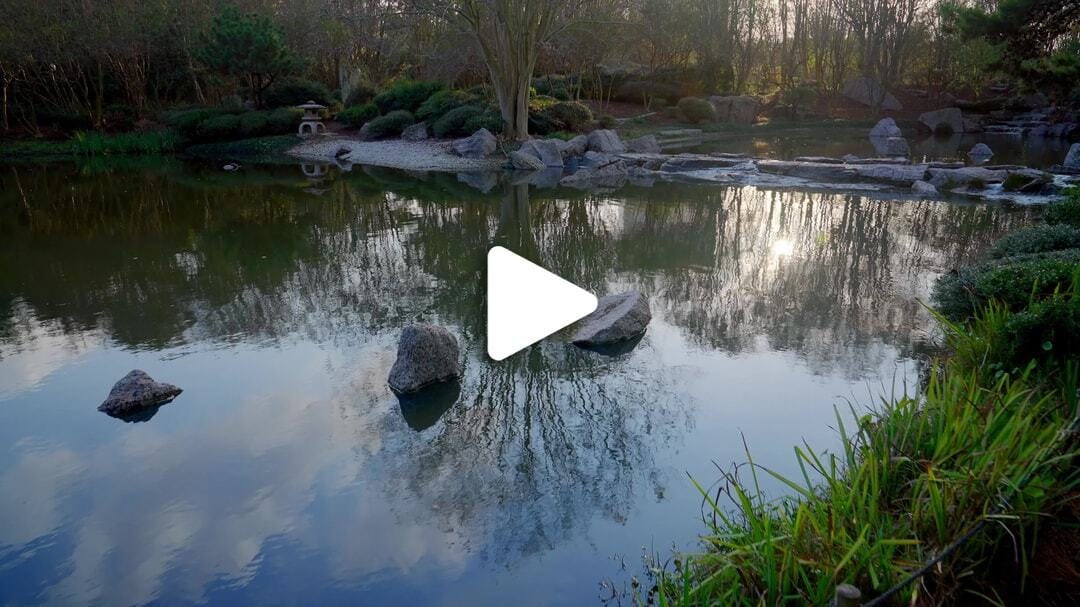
pixel 135 392
pixel 871 93
pixel 544 150
pixel 646 144
pixel 574 147
pixel 944 121
pixel 605 141
pixel 427 355
pixel 739 109
pixel 885 128
pixel 1072 158
pixel 525 162
pixel 478 145
pixel 617 318
pixel 416 132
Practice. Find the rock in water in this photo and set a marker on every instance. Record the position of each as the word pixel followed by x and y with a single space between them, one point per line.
pixel 427 355
pixel 478 145
pixel 886 127
pixel 342 152
pixel 981 151
pixel 617 318
pixel 137 391
pixel 416 132
pixel 1072 159
pixel 606 141
pixel 644 145
pixel 525 162
pixel 891 146
pixel 946 121
pixel 545 150
pixel 922 188
pixel 870 93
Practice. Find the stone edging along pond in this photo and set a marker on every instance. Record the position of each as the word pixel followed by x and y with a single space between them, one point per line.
pixel 602 161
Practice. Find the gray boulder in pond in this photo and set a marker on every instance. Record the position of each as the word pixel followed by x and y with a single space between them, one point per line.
pixel 871 93
pixel 137 391
pixel 605 141
pixel 891 146
pixel 1072 159
pixel 886 127
pixel 981 150
pixel 427 355
pixel 617 318
pixel 478 145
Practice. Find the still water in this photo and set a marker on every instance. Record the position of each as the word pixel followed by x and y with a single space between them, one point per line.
pixel 288 473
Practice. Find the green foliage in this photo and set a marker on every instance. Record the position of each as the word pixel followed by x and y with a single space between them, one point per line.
pixel 247 46
pixel 606 121
pixel 361 93
pixel 490 120
pixel 553 85
pixel 441 102
pixel 355 116
pixel 648 92
pixel 914 475
pixel 93 144
pixel 1037 239
pixel 1015 282
pixel 568 115
pixel 224 127
pixel 187 121
pixel 269 148
pixel 391 124
pixel 405 95
pixel 695 110
pixel 1066 211
pixel 296 92
pixel 452 123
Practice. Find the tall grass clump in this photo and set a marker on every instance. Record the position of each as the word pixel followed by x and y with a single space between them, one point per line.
pixel 148 142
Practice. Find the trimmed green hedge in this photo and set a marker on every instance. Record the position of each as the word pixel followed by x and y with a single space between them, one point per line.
pixel 696 109
pixel 1038 239
pixel 391 124
pixel 406 95
pixel 292 93
pixel 1014 281
pixel 568 116
pixel 1065 211
pixel 453 122
pixel 442 102
pixel 358 115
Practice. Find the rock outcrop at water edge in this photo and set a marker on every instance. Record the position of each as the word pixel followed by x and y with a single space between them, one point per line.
pixel 885 128
pixel 135 392
pixel 544 150
pixel 427 355
pixel 605 141
pixel 522 161
pixel 478 145
pixel 617 318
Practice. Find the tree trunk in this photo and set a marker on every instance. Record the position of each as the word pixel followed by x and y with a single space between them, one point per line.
pixel 6 124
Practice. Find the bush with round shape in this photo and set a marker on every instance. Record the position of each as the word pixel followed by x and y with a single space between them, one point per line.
pixel 391 124
pixel 1015 282
pixel 357 115
pixel 252 124
pixel 361 93
pixel 1066 211
pixel 490 120
pixel 452 123
pixel 441 102
pixel 569 115
pixel 1037 239
pixel 283 121
pixel 187 121
pixel 406 95
pixel 219 128
pixel 696 109
pixel 553 85
pixel 291 93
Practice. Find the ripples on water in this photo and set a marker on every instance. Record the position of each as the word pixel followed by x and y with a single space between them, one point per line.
pixel 288 472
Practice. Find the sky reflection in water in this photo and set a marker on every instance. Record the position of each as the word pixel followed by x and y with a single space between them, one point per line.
pixel 287 471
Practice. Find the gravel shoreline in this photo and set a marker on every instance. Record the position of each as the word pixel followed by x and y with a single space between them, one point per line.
pixel 396 154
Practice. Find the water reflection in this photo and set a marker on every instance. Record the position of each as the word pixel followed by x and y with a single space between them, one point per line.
pixel 289 472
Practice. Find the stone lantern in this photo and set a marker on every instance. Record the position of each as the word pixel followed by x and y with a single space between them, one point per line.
pixel 311 123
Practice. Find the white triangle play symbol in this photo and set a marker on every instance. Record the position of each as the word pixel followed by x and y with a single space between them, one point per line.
pixel 526 303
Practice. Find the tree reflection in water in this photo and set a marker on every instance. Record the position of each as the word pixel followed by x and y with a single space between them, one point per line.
pixel 524 456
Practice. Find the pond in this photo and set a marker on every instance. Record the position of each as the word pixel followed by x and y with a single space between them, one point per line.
pixel 288 472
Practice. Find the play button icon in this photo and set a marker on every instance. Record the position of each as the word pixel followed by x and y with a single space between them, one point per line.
pixel 526 303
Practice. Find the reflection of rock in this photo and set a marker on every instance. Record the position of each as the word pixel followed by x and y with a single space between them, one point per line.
pixel 427 354
pixel 980 151
pixel 922 188
pixel 135 392
pixel 610 175
pixel 617 318
pixel 617 348
pixel 944 121
pixel 423 408
pixel 891 146
pixel 485 181
pixel 544 178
